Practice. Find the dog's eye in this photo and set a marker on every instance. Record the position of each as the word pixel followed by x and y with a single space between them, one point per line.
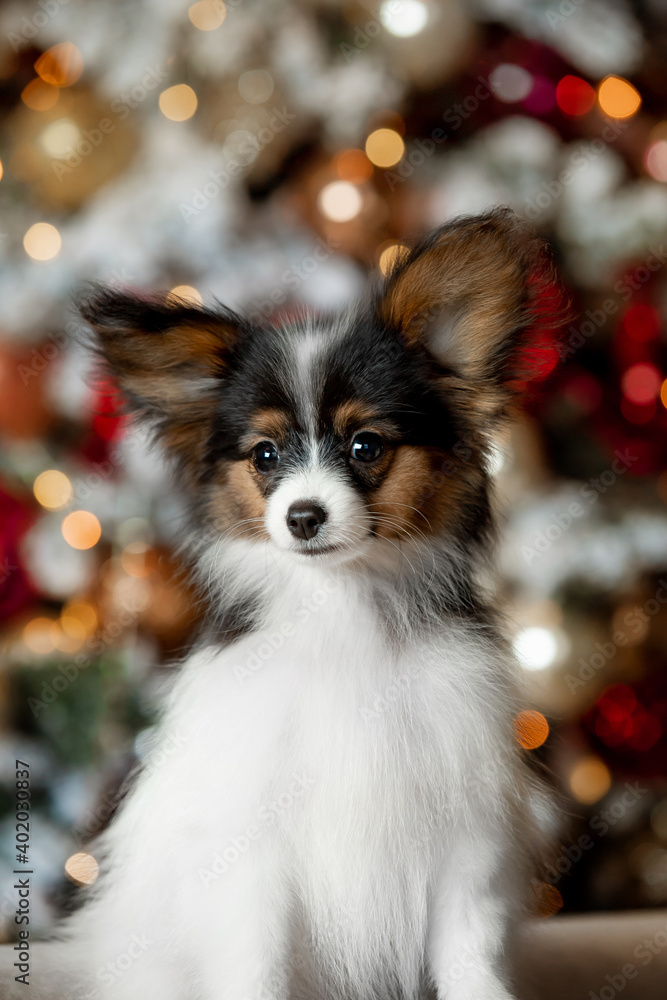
pixel 366 447
pixel 265 456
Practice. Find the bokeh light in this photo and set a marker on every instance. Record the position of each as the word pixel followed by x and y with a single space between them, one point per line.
pixel 178 103
pixel 59 137
pixel 590 780
pixel 65 641
pixel 618 98
pixel 53 489
pixel 133 559
pixel 574 96
pixel 61 65
pixel 82 869
pixel 536 647
pixel 42 241
pixel 207 15
pixel 510 83
pixel 642 322
pixel 78 618
pixel 532 729
pixel 185 293
pixel 384 147
pixel 405 18
pixel 638 413
pixel 549 899
pixel 353 165
pixel 621 720
pixel 641 383
pixel 256 86
pixel 38 635
pixel 390 255
pixel 39 96
pixel 81 529
pixel 340 201
pixel 655 160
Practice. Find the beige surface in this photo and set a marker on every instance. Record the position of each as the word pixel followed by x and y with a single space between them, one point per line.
pixel 564 958
pixel 596 957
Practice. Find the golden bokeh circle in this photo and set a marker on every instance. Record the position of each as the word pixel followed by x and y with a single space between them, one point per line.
pixel 384 147
pixel 81 529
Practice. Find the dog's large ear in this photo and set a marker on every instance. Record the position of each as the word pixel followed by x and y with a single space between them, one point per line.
pixel 470 294
pixel 167 357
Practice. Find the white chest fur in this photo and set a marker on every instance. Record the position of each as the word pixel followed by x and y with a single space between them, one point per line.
pixel 325 768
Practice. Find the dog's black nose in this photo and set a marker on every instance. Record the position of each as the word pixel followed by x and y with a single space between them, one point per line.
pixel 305 519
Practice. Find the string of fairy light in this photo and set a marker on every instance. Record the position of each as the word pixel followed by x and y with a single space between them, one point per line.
pixel 340 200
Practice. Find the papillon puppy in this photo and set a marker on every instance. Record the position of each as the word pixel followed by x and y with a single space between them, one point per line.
pixel 341 811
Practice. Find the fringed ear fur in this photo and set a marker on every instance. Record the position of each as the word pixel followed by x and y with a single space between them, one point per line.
pixel 166 356
pixel 472 294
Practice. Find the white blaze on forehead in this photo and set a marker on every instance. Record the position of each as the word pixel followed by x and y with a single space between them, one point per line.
pixel 306 350
pixel 310 347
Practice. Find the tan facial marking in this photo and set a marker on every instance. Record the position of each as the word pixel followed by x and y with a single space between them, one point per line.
pixel 352 414
pixel 416 496
pixel 407 477
pixel 237 499
pixel 268 422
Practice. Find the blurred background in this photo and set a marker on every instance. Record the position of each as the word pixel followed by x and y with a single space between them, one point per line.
pixel 272 154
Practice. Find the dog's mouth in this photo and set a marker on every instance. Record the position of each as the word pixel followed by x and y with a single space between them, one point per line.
pixel 321 550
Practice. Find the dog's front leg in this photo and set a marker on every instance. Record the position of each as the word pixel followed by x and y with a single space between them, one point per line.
pixel 242 934
pixel 468 919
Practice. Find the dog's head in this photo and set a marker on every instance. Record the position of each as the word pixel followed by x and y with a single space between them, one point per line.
pixel 331 436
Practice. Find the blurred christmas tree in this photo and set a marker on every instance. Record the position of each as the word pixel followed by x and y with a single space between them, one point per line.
pixel 268 154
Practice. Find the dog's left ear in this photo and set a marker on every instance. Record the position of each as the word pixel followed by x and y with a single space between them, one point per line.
pixel 469 294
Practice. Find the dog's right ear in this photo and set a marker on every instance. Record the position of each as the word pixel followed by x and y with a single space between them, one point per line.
pixel 167 357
